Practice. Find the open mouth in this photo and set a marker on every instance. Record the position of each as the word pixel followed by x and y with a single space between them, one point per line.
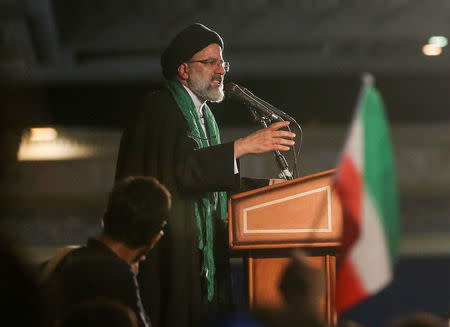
pixel 217 81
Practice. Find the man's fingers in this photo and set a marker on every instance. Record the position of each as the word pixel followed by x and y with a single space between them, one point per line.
pixel 284 134
pixel 278 125
pixel 281 147
pixel 265 140
pixel 283 141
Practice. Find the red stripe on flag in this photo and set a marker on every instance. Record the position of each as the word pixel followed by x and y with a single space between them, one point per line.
pixel 348 186
pixel 349 289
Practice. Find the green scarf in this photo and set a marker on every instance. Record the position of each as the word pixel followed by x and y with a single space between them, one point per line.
pixel 205 208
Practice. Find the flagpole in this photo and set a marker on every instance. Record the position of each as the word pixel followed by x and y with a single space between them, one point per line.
pixel 368 79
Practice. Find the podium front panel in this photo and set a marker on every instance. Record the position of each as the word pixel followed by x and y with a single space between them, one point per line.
pixel 302 212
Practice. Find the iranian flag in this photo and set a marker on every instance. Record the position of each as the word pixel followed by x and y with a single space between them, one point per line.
pixel 365 183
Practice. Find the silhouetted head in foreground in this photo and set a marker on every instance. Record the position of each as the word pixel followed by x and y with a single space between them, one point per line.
pixel 419 319
pixel 302 285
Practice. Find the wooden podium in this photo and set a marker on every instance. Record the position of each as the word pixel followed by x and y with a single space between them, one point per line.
pixel 266 223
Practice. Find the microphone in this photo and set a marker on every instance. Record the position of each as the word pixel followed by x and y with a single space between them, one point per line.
pixel 235 92
pixel 279 112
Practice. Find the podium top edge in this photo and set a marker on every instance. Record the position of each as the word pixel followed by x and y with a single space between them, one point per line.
pixel 284 184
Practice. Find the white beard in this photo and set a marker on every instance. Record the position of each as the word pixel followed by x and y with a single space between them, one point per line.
pixel 203 89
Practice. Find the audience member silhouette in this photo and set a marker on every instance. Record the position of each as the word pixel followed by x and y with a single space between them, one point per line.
pixel 20 298
pixel 133 223
pixel 302 285
pixel 99 312
pixel 349 323
pixel 419 319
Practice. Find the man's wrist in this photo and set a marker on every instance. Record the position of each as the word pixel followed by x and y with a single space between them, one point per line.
pixel 239 148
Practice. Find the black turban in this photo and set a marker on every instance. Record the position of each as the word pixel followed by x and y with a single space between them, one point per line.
pixel 184 45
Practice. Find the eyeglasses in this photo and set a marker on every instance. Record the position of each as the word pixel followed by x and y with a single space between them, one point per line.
pixel 214 62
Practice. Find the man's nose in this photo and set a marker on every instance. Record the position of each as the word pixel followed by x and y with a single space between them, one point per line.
pixel 220 69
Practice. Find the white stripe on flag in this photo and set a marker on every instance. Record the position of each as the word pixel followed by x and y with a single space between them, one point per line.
pixel 353 148
pixel 369 253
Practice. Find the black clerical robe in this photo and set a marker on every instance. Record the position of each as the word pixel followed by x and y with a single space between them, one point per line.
pixel 159 143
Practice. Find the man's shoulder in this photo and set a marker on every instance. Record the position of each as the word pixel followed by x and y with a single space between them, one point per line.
pixel 158 104
pixel 155 108
pixel 93 256
pixel 156 98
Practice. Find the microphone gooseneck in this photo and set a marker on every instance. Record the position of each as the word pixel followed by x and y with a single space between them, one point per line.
pixel 235 92
pixel 279 112
pixel 262 112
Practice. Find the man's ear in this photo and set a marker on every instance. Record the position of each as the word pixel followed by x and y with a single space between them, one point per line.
pixel 183 71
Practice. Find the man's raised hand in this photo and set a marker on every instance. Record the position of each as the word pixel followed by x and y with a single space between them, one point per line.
pixel 264 140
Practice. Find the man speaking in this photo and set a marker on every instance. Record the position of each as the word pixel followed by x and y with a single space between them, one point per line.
pixel 175 138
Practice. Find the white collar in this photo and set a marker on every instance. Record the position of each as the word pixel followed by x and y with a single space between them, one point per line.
pixel 197 103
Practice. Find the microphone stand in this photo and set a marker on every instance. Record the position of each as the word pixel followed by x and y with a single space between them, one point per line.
pixel 279 157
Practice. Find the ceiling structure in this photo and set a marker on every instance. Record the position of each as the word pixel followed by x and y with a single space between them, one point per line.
pixel 59 40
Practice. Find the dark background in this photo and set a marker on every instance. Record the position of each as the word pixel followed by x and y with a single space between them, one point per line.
pixel 85 64
pixel 409 98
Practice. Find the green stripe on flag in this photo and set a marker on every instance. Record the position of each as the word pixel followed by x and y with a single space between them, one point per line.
pixel 378 168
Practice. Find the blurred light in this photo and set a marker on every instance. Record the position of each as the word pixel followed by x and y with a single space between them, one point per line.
pixel 42 134
pixel 52 151
pixel 431 50
pixel 440 41
pixel 40 144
